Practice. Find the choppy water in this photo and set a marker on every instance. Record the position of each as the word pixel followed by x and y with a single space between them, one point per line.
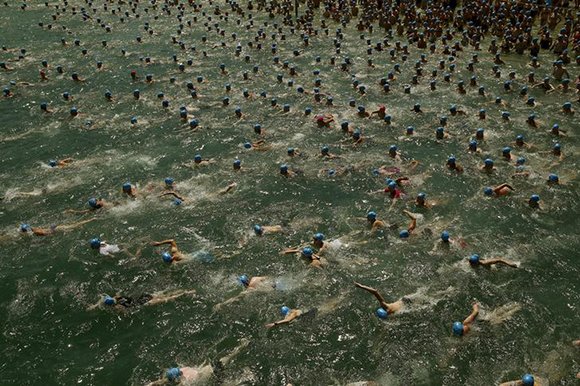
pixel 529 315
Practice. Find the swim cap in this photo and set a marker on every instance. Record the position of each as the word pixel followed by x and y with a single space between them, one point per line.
pixel 532 117
pixel 421 196
pixel 169 181
pixel 388 118
pixel 308 110
pixel 361 108
pixel 473 143
pixel 381 313
pixel 567 105
pixel 244 280
pixel 319 237
pixel 528 380
pixel 324 149
pixel 284 168
pixel 521 161
pixel 451 160
pixel 458 328
pixel 371 215
pixel 166 256
pixel 488 191
pixel 557 146
pixel 52 163
pixel 506 150
pixel 73 111
pixel 553 178
pixel 133 120
pixel 109 301
pixel 404 234
pixel 393 148
pixel 356 134
pixel 173 373
pixel 505 113
pixel 126 187
pixel 488 162
pixel 95 243
pixel 93 203
pixel 237 163
pixel 392 185
pixel 307 252
pixel 445 236
pixel 474 259
pixel 248 145
pixel 453 108
pixel 25 227
pixel 197 158
pixel 284 310
pixel 535 198
pixel 440 129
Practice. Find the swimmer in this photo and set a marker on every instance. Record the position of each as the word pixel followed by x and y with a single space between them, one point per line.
pixel 324 120
pixel 259 230
pixel 25 228
pixel 527 380
pixel 394 154
pixel 4 66
pixel 129 190
pixel 545 85
pixel 452 165
pixel 488 166
pixel 385 308
pixel 461 329
pixel 421 201
pixel 174 255
pixel 474 261
pixel 60 163
pixel 534 201
pixel 200 375
pixel 199 161
pixel 380 112
pixel 556 151
pixel 557 131
pixel 325 153
pixel 119 302
pixel 94 206
pixel 407 232
pixel 284 171
pixel 371 217
pixel 261 283
pixel 499 190
pixel 228 188
pixel 305 252
pixel 567 108
pixel 288 314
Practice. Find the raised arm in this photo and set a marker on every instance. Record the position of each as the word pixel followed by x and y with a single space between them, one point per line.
pixel 376 293
pixel 498 261
pixel 413 224
pixel 500 187
pixel 472 316
pixel 291 316
pixel 170 241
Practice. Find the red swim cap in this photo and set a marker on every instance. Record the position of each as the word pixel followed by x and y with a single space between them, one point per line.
pixel 382 108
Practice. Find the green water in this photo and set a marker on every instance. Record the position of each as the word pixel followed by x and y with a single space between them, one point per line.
pixel 47 283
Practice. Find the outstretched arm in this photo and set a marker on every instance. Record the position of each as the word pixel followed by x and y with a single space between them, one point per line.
pixel 170 241
pixel 172 194
pixel 472 316
pixel 76 225
pixel 500 187
pixel 168 297
pixel 376 293
pixel 291 316
pixel 498 261
pixel 72 211
pixel 512 383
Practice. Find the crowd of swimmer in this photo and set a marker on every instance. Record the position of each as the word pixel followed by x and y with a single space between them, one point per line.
pixel 437 28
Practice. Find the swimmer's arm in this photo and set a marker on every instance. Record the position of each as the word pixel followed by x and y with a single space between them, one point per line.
pixel 169 241
pixel 288 251
pixel 76 225
pixel 375 293
pixel 286 320
pixel 377 224
pixel 167 298
pixel 159 382
pixel 413 224
pixel 72 211
pixel 499 188
pixel 228 188
pixel 401 179
pixel 498 261
pixel 512 383
pixel 472 316
pixel 41 232
pixel 172 194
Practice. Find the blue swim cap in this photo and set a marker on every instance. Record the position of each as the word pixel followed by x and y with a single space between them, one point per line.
pixel 392 185
pixel 531 117
pixel 73 111
pixel 126 187
pixel 404 234
pixel 372 215
pixel 361 108
pixel 567 105
pixel 528 380
pixel 488 162
pixel 451 160
pixel 173 373
pixel 319 237
pixel 557 146
pixel 410 129
pixel 393 148
pixel 356 134
pixel 307 252
pixel 324 149
pixel 458 328
pixel 258 229
pixel 535 198
pixel 381 313
pixel 388 118
pixel 445 236
pixel 237 162
pixel 440 129
pixel 308 110
pixel 52 163
pixel 109 301
pixel 177 201
pixel 95 243
pixel 421 195
pixel 244 280
pixel 25 227
pixel 93 203
pixel 166 256
pixel 506 149
pixel 169 181
pixel 505 113
pixel 284 168
pixel 521 161
pixel 284 310
pixel 248 145
pixel 197 158
pixel 488 191
pixel 553 178
pixel 453 108
pixel 133 120
pixel 474 259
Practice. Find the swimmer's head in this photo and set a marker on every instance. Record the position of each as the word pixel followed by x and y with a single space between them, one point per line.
pixel 319 237
pixel 458 328
pixel 324 150
pixel 488 191
pixel 521 161
pixel 93 203
pixel 488 162
pixel 109 301
pixel 404 234
pixel 410 129
pixel 284 311
pixel 173 374
pixel 244 280
pixel 25 227
pixel 528 380
pixel 451 160
pixel 127 187
pixel 567 106
pixel 284 169
pixel 166 256
pixel 371 216
pixel 392 186
pixel 237 164
pixel 52 163
pixel 169 182
pixel 557 147
pixel 381 313
pixel 553 178
pixel 197 159
pixel 474 259
pixel 95 243
pixel 535 198
pixel 506 150
pixel 445 236
pixel 307 252
pixel 308 111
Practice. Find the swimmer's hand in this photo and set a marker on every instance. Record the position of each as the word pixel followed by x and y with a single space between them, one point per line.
pixel 270 325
